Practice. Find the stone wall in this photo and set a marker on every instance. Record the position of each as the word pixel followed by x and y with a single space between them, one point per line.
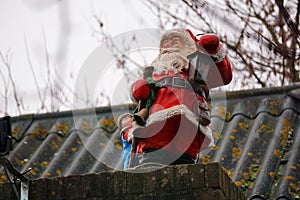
pixel 188 182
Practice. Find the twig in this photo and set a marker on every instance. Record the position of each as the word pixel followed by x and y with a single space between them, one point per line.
pixel 33 73
pixel 6 63
pixel 48 69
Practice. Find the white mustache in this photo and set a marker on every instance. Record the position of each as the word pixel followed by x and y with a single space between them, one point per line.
pixel 183 52
pixel 169 50
pixel 169 60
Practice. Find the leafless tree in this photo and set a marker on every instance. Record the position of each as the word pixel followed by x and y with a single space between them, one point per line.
pixel 9 84
pixel 51 97
pixel 122 60
pixel 4 95
pixel 52 90
pixel 262 37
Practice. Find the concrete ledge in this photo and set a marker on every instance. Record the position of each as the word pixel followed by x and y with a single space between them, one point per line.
pixel 171 182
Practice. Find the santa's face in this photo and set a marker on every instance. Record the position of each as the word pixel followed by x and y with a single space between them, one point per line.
pixel 179 42
pixel 173 42
pixel 175 46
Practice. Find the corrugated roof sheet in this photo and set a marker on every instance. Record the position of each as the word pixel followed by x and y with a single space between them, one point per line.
pixel 259 144
pixel 257 133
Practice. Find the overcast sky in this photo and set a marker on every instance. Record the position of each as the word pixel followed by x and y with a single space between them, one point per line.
pixel 65 29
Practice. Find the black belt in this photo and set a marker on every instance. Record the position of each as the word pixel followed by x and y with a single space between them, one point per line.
pixel 180 83
pixel 174 81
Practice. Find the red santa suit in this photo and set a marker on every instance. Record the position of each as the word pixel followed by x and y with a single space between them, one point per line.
pixel 173 121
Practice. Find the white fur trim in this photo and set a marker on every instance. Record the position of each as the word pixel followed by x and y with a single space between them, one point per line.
pixel 208 133
pixel 180 110
pixel 220 55
pixel 131 95
pixel 171 112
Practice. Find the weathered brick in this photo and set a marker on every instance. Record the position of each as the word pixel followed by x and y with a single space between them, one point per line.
pixel 226 184
pixel 172 182
pixel 233 192
pixel 7 192
pixel 213 175
pixel 182 178
pixel 237 193
pixel 197 175
pixel 104 181
pixel 38 189
pixel 241 195
pixel 135 182
pixel 149 196
pixel 118 182
pixel 213 194
pixel 90 186
pixel 165 180
pixel 55 189
pixel 71 186
pixel 174 195
pixel 150 182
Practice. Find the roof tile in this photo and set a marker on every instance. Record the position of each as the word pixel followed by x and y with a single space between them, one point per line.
pixel 257 134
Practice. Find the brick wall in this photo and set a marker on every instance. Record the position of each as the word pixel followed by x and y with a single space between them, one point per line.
pixel 188 182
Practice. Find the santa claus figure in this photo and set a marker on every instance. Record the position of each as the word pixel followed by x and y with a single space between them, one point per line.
pixel 174 116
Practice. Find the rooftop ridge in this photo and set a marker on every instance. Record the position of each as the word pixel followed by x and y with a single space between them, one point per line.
pixel 256 92
pixel 257 114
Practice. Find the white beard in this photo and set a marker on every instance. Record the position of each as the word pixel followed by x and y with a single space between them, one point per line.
pixel 169 62
pixel 172 59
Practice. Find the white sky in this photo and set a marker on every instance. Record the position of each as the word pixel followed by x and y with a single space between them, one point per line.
pixel 67 28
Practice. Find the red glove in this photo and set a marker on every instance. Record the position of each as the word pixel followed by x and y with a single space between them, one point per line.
pixel 211 43
pixel 140 89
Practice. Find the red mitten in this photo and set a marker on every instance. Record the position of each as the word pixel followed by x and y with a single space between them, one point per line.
pixel 140 89
pixel 211 43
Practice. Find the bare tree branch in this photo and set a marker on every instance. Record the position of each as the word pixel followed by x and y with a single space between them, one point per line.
pixel 5 94
pixel 42 100
pixel 5 59
pixel 262 36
